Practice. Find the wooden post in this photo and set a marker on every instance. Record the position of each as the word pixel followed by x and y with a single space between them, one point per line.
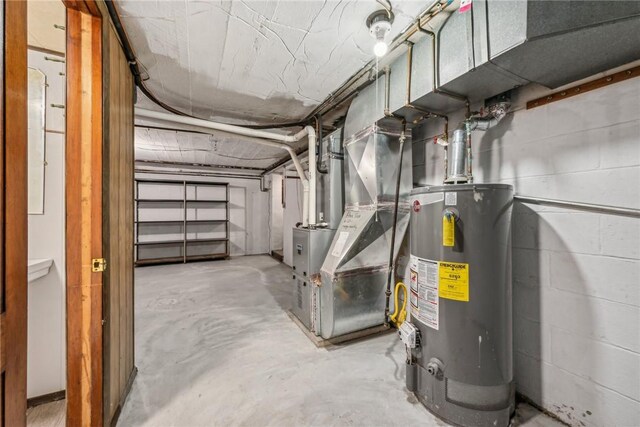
pixel 84 214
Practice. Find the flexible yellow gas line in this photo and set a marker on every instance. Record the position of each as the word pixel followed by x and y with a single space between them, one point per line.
pixel 400 314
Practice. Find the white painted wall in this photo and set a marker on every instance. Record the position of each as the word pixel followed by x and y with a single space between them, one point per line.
pixel 292 215
pixel 248 212
pixel 46 360
pixel 576 274
pixel 277 212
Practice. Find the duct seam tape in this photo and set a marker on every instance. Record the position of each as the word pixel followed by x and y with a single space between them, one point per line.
pixel 339 247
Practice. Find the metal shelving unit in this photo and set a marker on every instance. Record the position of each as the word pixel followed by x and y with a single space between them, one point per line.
pixel 185 245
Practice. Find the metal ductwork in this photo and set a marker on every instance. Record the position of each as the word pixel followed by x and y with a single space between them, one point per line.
pixel 354 273
pixel 475 55
pixel 502 44
pixel 330 198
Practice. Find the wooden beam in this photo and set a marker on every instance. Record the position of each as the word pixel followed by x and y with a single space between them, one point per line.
pixel 14 206
pixel 84 217
pixel 585 87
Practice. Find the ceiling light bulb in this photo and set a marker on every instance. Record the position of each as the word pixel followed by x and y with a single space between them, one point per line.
pixel 379 24
pixel 380 48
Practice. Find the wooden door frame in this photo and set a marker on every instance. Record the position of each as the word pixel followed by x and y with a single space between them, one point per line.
pixel 13 213
pixel 83 165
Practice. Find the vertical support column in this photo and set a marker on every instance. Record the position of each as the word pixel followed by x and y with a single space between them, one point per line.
pixel 84 216
pixel 13 214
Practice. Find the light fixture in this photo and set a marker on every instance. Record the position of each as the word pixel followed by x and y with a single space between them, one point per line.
pixel 379 24
pixel 380 48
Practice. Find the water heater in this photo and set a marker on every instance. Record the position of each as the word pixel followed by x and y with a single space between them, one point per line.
pixel 460 362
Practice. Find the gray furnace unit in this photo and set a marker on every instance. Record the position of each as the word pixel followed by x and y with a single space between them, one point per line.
pixel 460 333
pixel 310 245
pixel 309 250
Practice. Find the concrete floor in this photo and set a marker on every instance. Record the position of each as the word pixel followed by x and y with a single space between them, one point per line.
pixel 214 346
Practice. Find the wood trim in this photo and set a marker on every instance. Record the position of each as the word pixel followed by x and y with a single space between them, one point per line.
pixel 3 348
pixel 45 398
pixel 585 87
pixel 14 212
pixel 84 217
pixel 84 6
pixel 124 396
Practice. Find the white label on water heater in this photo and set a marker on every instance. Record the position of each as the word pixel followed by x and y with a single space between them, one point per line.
pixel 450 199
pixel 425 302
pixel 339 246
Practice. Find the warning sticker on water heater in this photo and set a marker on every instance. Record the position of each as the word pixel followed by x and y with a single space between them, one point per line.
pixel 453 278
pixel 424 291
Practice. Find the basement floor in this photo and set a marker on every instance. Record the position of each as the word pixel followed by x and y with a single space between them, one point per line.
pixel 215 346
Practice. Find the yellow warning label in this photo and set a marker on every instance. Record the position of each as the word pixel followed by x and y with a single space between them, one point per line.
pixel 448 230
pixel 454 281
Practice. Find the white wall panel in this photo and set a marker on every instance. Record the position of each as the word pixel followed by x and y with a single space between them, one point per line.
pixel 46 360
pixel 249 225
pixel 292 215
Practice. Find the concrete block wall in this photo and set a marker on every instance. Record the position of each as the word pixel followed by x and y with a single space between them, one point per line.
pixel 576 275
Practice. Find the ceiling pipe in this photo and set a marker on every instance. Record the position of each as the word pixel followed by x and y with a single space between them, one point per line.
pixel 269 139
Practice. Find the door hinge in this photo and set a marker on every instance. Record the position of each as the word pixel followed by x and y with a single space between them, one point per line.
pixel 98 265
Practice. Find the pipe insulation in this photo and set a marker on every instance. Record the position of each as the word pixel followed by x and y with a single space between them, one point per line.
pixel 270 139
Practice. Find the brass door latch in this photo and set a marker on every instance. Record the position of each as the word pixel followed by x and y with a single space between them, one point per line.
pixel 98 265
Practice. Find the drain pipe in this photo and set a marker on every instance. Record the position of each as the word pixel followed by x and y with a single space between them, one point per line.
pixel 319 168
pixel 311 211
pixel 264 138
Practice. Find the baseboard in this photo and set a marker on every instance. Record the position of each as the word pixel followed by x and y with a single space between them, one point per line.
pixel 46 398
pixel 127 390
pixel 275 255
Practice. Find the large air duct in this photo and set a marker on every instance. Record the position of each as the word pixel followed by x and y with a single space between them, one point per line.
pixel 354 273
pixel 498 45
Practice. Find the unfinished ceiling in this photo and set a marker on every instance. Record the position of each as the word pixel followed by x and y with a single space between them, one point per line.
pixel 261 61
pixel 188 148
